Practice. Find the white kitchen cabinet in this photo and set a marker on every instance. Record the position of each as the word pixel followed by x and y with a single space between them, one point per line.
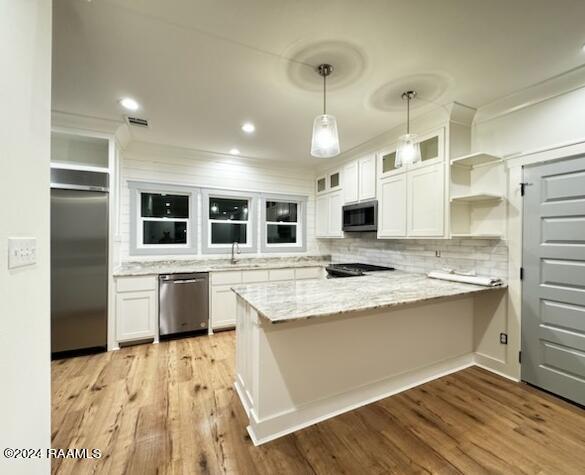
pixel 136 308
pixel 328 215
pixel 335 214
pixel 275 275
pixel 351 182
pixel 359 179
pixel 223 306
pixel 322 216
pixel 331 181
pixel 305 273
pixel 367 177
pixel 392 206
pixel 411 199
pixel 223 299
pixel 426 201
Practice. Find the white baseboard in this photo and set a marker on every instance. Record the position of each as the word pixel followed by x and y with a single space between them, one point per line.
pixel 493 365
pixel 262 431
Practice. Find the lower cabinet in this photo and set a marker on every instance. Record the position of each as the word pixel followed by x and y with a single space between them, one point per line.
pixel 136 308
pixel 223 307
pixel 223 299
pixel 137 298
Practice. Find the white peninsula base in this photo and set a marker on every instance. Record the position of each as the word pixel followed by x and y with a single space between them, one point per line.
pixel 292 374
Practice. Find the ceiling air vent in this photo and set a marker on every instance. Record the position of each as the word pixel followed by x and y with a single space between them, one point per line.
pixel 137 121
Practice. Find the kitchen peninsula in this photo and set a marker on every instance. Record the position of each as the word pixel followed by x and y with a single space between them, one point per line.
pixel 307 351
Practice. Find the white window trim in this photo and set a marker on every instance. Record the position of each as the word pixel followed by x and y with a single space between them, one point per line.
pixel 137 246
pixel 301 223
pixel 251 245
pixel 297 224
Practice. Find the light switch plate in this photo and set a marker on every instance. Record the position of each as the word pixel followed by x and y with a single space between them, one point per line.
pixel 21 252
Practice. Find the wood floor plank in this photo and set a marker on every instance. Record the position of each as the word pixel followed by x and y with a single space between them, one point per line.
pixel 171 409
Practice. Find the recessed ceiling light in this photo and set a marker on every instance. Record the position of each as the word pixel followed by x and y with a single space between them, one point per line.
pixel 129 103
pixel 234 151
pixel 248 127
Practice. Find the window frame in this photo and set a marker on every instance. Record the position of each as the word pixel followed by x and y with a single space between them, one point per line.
pixel 207 247
pixel 301 224
pixel 137 246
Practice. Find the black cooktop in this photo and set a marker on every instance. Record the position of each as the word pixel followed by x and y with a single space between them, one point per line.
pixel 353 269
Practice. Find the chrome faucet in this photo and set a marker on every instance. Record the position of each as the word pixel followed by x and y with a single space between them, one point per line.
pixel 235 250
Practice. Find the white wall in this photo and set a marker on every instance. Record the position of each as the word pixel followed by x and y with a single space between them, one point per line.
pixel 25 95
pixel 550 118
pixel 554 121
pixel 161 164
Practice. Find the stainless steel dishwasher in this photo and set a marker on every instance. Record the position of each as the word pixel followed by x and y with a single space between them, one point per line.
pixel 183 303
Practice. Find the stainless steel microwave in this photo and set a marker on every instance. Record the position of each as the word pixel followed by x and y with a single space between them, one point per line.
pixel 361 216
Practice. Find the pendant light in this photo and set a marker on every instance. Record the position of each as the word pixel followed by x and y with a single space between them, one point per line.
pixel 408 151
pixel 325 141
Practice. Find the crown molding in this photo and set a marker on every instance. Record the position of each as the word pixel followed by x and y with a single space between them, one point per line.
pixel 83 122
pixel 548 89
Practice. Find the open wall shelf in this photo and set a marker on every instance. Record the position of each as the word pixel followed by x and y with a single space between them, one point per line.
pixel 477 196
pixel 475 159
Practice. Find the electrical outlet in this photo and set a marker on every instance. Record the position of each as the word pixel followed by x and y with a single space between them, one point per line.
pixel 504 338
pixel 21 252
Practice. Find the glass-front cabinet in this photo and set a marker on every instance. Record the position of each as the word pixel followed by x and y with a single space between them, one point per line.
pixel 431 151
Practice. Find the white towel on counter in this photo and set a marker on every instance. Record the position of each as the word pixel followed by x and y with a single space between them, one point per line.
pixel 467 279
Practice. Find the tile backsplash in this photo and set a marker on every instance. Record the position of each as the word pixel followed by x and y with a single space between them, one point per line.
pixel 484 256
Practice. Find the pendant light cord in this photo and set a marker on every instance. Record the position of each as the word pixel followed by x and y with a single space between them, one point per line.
pixel 408 114
pixel 324 94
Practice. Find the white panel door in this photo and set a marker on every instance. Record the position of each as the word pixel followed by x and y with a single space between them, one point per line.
pixel 367 177
pixel 135 315
pixel 322 216
pixel 350 182
pixel 223 306
pixel 392 206
pixel 335 218
pixel 425 201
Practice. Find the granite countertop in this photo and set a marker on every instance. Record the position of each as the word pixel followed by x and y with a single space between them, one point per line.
pixel 280 302
pixel 151 267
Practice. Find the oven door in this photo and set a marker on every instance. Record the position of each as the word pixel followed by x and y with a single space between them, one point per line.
pixel 361 216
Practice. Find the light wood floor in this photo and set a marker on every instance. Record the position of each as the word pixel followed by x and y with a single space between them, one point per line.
pixel 170 408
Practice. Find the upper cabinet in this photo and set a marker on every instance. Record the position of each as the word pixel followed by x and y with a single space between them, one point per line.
pixel 411 199
pixel 359 179
pixel 350 182
pixel 329 182
pixel 330 196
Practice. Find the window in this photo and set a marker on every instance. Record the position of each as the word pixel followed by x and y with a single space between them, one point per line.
pixel 162 218
pixel 281 222
pixel 228 221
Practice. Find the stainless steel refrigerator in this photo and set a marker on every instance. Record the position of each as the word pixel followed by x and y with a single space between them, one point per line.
pixel 79 260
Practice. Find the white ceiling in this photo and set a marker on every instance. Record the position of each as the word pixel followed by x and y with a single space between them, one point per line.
pixel 200 68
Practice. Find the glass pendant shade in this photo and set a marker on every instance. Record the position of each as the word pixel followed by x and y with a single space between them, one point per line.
pixel 325 142
pixel 408 151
